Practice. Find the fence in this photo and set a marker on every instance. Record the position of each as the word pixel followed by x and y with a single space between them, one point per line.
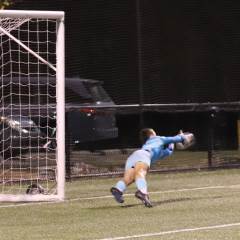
pixel 214 125
pixel 169 65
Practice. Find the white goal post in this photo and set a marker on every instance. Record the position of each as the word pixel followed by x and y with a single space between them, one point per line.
pixel 32 105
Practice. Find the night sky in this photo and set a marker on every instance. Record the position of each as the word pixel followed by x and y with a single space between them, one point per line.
pixel 182 51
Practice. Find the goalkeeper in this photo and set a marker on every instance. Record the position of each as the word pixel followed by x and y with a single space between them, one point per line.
pixel 138 163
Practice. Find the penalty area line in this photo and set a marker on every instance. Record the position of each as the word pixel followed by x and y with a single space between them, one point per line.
pixel 174 231
pixel 161 192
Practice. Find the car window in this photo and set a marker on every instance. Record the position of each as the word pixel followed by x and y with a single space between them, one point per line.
pixel 76 92
pixel 98 93
pixel 36 91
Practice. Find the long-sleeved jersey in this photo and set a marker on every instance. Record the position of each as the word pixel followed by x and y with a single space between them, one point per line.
pixel 158 146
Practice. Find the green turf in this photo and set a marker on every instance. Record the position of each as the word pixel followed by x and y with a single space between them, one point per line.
pixel 79 218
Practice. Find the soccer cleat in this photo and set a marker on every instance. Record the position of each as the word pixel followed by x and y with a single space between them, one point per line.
pixel 117 194
pixel 144 198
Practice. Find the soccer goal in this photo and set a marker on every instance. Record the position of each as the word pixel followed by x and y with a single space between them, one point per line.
pixel 32 111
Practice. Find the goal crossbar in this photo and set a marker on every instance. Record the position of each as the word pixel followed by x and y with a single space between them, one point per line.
pixel 32 14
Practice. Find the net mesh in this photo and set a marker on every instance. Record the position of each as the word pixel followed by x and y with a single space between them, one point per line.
pixel 27 105
pixel 10 24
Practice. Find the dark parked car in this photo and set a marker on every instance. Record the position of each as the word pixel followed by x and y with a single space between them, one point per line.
pixel 90 111
pixel 33 124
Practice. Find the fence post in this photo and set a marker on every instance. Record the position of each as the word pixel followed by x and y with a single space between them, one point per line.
pixel 211 128
pixel 238 130
pixel 210 139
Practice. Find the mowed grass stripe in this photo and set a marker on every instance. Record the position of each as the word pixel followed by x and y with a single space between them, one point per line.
pixel 126 195
pixel 173 231
pixel 86 215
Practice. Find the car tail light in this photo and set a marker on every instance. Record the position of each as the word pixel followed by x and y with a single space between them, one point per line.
pixel 88 111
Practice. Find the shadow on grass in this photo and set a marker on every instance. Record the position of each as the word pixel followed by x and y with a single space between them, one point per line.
pixel 155 203
pixel 171 201
pixel 116 206
pixel 183 200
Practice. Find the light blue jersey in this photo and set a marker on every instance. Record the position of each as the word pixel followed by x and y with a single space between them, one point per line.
pixel 154 149
pixel 158 146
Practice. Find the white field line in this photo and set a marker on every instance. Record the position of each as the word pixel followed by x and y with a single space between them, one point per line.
pixel 162 192
pixel 174 231
pixel 130 194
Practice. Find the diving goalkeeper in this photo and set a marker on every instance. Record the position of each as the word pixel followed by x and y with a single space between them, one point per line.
pixel 138 163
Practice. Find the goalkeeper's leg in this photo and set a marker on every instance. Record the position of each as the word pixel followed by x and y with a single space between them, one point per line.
pixel 141 170
pixel 136 169
pixel 118 190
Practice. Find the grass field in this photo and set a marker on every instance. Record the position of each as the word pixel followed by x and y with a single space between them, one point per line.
pixel 190 205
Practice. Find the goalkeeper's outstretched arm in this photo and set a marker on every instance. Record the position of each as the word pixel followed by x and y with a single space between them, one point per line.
pixel 175 139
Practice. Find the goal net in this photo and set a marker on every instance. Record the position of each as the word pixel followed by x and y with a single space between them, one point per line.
pixel 32 110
